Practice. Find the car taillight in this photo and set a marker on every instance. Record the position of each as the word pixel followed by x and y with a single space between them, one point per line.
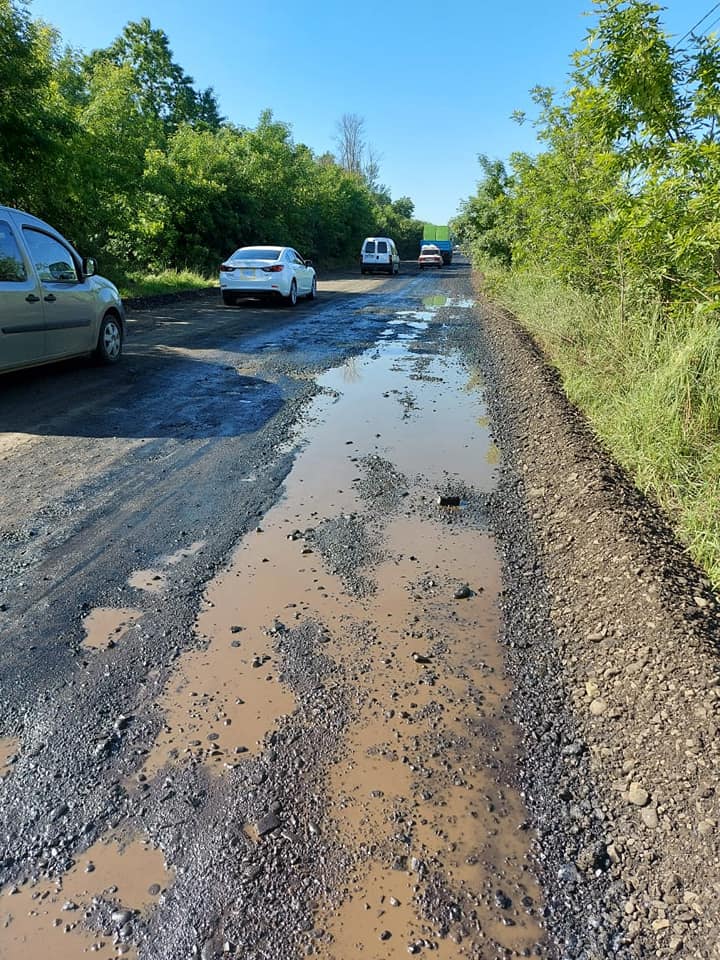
pixel 275 268
pixel 226 268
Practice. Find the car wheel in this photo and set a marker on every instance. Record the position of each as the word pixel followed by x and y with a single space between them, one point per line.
pixel 110 339
pixel 313 289
pixel 229 299
pixel 291 298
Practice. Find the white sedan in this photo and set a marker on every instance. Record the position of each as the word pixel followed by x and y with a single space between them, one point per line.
pixel 267 272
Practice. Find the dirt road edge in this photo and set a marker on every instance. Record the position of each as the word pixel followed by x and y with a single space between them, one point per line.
pixel 612 640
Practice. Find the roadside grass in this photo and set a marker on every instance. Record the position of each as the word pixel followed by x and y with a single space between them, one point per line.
pixel 649 384
pixel 167 281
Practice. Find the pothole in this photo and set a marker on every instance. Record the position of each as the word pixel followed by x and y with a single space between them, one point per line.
pixel 104 626
pixel 421 793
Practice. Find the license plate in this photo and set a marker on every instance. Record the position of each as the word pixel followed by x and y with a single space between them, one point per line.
pixel 248 273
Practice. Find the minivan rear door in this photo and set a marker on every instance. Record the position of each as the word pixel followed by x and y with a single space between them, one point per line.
pixel 22 323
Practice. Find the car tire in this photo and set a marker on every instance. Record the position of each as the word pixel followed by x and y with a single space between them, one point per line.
pixel 110 339
pixel 313 289
pixel 229 299
pixel 291 298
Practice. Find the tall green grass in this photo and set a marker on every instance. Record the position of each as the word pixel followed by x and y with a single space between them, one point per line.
pixel 167 281
pixel 649 385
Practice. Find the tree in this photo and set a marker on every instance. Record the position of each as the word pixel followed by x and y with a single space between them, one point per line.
pixel 351 145
pixel 35 121
pixel 164 89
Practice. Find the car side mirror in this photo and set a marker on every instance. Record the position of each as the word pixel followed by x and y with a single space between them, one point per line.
pixel 308 263
pixel 89 267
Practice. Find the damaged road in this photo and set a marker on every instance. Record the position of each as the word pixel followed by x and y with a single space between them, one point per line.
pixel 332 633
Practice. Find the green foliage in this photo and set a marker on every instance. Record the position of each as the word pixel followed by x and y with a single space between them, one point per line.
pixel 121 152
pixel 611 234
pixel 165 92
pixel 35 121
pixel 624 192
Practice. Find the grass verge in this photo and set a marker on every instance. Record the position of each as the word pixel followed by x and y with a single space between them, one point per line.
pixel 168 281
pixel 649 385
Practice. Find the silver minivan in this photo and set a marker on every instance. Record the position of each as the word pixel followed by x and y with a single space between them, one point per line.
pixel 379 253
pixel 52 305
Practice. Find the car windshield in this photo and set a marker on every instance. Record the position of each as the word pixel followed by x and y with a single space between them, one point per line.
pixel 256 253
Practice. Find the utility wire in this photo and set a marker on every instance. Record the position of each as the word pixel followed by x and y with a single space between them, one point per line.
pixel 693 28
pixel 715 21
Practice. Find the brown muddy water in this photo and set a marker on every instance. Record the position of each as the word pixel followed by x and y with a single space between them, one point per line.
pixel 427 754
pixel 420 792
pixel 104 626
pixel 48 919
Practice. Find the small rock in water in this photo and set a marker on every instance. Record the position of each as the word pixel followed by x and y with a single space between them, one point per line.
pixel 121 917
pixel 502 900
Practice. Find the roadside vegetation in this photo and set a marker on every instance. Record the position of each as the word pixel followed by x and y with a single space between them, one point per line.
pixel 606 247
pixel 125 156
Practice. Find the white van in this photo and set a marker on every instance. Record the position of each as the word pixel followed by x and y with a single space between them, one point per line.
pixel 379 253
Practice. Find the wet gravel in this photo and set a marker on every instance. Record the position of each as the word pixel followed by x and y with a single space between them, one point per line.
pixel 610 635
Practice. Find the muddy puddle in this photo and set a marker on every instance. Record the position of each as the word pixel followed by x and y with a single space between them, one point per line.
pixel 9 747
pixel 93 910
pixel 104 626
pixel 420 793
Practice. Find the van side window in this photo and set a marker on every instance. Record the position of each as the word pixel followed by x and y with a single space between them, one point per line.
pixel 370 246
pixel 382 246
pixel 12 268
pixel 52 260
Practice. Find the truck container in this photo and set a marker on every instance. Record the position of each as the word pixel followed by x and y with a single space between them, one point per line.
pixel 440 237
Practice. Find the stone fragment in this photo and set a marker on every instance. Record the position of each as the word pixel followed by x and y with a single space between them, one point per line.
pixel 267 824
pixel 637 795
pixel 649 817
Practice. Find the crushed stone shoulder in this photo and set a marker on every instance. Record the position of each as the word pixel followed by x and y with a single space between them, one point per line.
pixel 612 637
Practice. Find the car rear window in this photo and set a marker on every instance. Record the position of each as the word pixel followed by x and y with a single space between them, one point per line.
pixel 370 246
pixel 382 246
pixel 12 268
pixel 257 253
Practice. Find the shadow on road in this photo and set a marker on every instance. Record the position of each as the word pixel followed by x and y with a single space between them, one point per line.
pixel 154 395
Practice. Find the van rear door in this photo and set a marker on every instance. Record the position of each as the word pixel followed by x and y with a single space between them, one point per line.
pixel 22 320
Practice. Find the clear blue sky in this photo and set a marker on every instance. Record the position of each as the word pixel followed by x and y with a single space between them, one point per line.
pixel 435 82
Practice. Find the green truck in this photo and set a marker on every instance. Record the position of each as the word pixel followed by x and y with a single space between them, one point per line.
pixel 439 237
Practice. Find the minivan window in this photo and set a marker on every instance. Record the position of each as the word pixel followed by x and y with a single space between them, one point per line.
pixel 370 246
pixel 52 260
pixel 12 268
pixel 382 246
